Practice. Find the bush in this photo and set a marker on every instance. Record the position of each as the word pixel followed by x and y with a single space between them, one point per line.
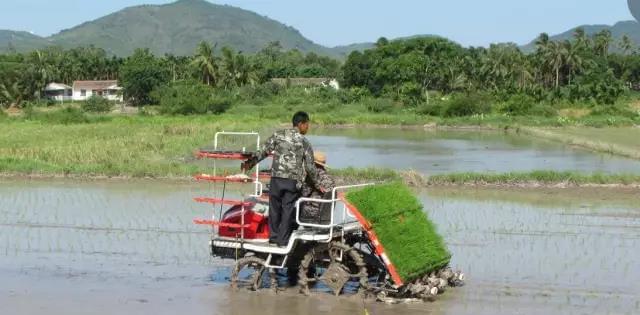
pixel 411 93
pixel 468 105
pixel 187 98
pixel 39 103
pixel 432 109
pixel 353 95
pixel 379 105
pixel 613 110
pixel 265 90
pixel 518 105
pixel 97 104
pixel 66 116
pixel 543 110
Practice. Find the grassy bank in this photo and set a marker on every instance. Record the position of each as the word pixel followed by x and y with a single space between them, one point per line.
pixel 619 141
pixel 118 146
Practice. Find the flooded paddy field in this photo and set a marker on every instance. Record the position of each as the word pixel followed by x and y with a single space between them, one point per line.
pixel 104 247
pixel 445 151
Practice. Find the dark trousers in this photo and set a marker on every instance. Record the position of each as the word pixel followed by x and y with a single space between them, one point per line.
pixel 283 194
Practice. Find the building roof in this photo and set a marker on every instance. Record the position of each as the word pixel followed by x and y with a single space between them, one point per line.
pixel 53 86
pixel 96 85
pixel 300 81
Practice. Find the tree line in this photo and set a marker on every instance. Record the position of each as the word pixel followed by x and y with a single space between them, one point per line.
pixel 580 69
pixel 411 71
pixel 23 77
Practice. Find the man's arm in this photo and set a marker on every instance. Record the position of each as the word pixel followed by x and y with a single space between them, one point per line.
pixel 268 147
pixel 309 166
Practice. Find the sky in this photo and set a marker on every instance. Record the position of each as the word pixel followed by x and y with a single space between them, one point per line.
pixel 341 22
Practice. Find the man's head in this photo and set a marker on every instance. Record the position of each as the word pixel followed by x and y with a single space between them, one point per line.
pixel 300 120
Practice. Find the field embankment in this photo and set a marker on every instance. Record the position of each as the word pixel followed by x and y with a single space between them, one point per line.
pixel 623 141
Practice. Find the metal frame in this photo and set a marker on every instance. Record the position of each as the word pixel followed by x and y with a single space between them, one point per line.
pixel 258 184
pixel 333 201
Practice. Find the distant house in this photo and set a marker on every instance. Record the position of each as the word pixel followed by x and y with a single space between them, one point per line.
pixel 307 82
pixel 108 89
pixel 58 92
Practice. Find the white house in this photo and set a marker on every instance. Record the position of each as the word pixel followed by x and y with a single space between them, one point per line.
pixel 108 89
pixel 58 92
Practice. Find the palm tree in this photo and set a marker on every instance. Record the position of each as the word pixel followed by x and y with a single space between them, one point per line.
pixel 206 63
pixel 625 44
pixel 603 41
pixel 573 59
pixel 42 68
pixel 542 43
pixel 581 39
pixel 556 58
pixel 12 94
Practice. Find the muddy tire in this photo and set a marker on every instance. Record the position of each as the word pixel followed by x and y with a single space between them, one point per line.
pixel 322 264
pixel 248 273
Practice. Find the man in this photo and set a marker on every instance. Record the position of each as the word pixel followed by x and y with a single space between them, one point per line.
pixel 314 212
pixel 292 163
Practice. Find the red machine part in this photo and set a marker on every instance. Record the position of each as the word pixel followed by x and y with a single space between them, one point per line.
pixel 256 225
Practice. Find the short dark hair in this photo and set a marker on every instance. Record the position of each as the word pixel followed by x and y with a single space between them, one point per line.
pixel 299 118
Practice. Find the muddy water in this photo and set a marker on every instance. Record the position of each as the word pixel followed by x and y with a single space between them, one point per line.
pixel 444 151
pixel 71 247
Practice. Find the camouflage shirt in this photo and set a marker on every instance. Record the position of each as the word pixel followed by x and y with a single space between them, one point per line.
pixel 292 156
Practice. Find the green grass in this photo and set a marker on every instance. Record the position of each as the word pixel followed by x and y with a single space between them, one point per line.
pixel 410 239
pixel 120 146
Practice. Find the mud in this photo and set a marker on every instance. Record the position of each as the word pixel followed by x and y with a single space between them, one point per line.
pixel 70 247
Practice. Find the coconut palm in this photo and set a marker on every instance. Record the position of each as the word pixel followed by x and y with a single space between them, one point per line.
pixel 206 63
pixel 556 59
pixel 625 44
pixel 581 39
pixel 573 59
pixel 11 94
pixel 602 42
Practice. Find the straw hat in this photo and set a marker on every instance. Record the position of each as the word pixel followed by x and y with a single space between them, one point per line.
pixel 320 158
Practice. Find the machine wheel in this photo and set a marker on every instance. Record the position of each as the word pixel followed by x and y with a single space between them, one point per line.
pixel 322 264
pixel 248 272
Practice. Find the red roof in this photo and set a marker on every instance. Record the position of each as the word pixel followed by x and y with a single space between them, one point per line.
pixel 94 85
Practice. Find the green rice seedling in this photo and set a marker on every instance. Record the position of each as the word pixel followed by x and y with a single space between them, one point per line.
pixel 410 239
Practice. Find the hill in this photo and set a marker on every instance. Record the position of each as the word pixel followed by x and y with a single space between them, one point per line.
pixel 629 28
pixel 178 27
pixel 20 41
pixel 174 28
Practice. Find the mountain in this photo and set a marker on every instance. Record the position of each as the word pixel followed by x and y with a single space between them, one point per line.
pixel 20 41
pixel 629 28
pixel 174 28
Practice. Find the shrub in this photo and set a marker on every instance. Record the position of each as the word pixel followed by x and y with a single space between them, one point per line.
pixel 613 110
pixel 519 104
pixel 543 110
pixel 97 104
pixel 265 90
pixel 186 98
pixel 379 105
pixel 431 109
pixel 66 116
pixel 39 103
pixel 467 105
pixel 410 93
pixel 353 95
